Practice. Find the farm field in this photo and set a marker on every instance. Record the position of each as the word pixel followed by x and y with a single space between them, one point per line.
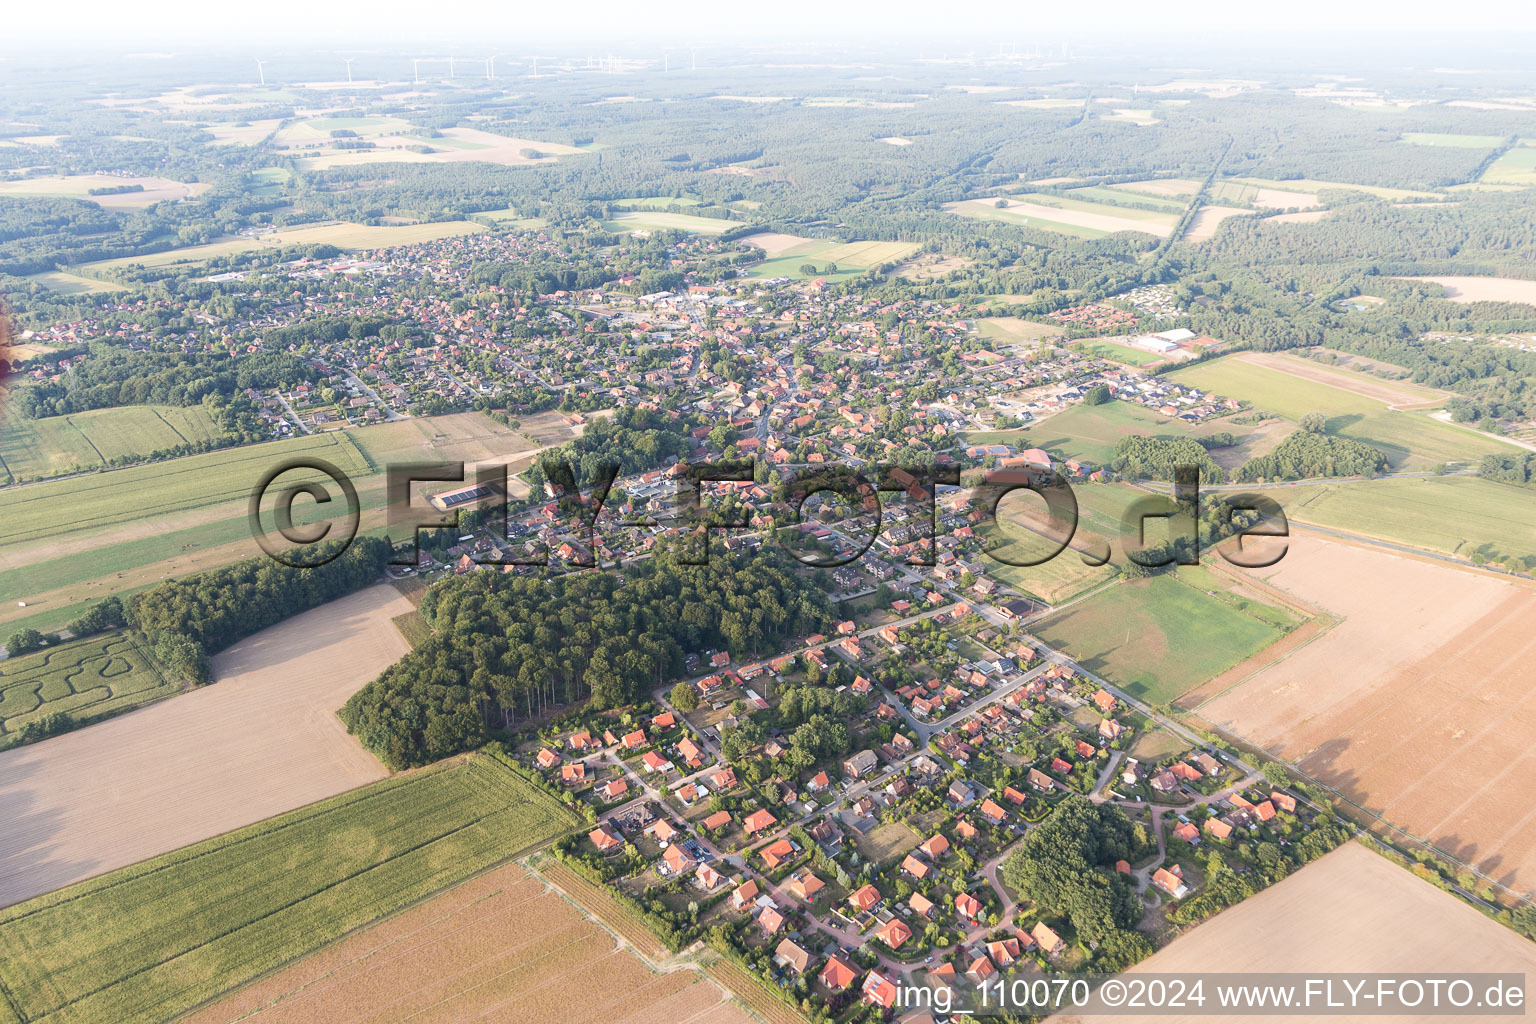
pixel 1121 197
pixel 1409 440
pixel 1091 431
pixel 57 507
pixel 1056 581
pixel 342 234
pixel 78 186
pixel 453 145
pixel 89 679
pixel 1353 910
pixel 1160 186
pixel 1395 394
pixel 852 258
pixel 261 740
pixel 71 284
pixel 150 942
pixel 1314 186
pixel 34 449
pixel 1485 289
pixel 1418 705
pixel 1068 216
pixel 1207 219
pixel 499 945
pixel 662 220
pixel 78 540
pixel 1157 638
pixel 1456 515
pixel 1516 167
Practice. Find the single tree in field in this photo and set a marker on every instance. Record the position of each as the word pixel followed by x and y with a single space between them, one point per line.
pixel 808 269
pixel 1314 423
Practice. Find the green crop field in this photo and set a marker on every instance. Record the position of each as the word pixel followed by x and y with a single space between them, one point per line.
pixel 1409 440
pixel 149 942
pixel 57 507
pixel 71 284
pixel 343 235
pixel 36 449
pixel 852 259
pixel 1516 167
pixel 1157 638
pixel 1459 515
pixel 1314 186
pixel 660 220
pixel 989 212
pixel 89 679
pixel 1119 197
pixel 656 202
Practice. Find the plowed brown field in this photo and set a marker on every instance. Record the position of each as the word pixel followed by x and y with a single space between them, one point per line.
pixel 1420 705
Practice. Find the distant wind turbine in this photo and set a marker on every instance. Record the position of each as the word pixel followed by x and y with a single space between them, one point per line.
pixel 260 74
pixel 349 69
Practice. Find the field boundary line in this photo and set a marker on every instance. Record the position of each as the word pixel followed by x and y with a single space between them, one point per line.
pixel 516 855
pixel 1284 655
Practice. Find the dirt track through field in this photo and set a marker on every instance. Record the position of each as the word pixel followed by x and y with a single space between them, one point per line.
pixel 1419 705
pixel 1393 395
pixel 262 739
pixel 1352 911
pixel 501 947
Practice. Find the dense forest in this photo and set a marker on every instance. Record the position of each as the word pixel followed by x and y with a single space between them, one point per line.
pixel 1140 457
pixel 505 647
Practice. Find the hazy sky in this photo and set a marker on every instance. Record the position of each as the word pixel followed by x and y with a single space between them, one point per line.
pixel 306 22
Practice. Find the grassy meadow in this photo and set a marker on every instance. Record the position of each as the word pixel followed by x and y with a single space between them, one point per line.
pixel 1411 441
pixel 1455 515
pixel 644 219
pixel 1160 637
pixel 852 259
pixel 149 942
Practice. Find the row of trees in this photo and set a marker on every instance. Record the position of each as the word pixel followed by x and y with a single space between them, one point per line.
pixel 188 619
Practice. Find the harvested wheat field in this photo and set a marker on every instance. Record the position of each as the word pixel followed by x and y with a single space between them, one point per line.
pixel 1299 217
pixel 1353 911
pixel 1484 289
pixel 1207 219
pixel 500 947
pixel 1419 705
pixel 263 739
pixel 773 243
pixel 1178 187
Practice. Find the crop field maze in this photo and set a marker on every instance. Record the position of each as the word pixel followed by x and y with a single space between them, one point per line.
pixel 88 679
